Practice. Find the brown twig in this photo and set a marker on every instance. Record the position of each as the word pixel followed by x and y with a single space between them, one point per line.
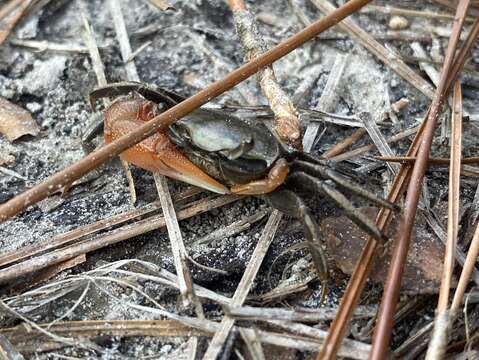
pixel 437 346
pixel 469 266
pixel 93 160
pixel 366 148
pixel 10 14
pixel 286 115
pixel 432 160
pixel 152 223
pixel 344 144
pixel 363 264
pixel 392 287
pixel 245 285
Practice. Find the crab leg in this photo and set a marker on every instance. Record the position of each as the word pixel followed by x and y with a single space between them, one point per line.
pixel 156 153
pixel 276 177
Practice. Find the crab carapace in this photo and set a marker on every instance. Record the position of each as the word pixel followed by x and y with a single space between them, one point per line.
pixel 223 153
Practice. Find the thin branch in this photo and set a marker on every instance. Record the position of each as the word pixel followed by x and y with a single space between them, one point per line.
pixel 93 160
pixel 339 147
pixel 286 115
pixel 363 265
pixel 143 226
pixel 442 320
pixel 383 330
pixel 245 285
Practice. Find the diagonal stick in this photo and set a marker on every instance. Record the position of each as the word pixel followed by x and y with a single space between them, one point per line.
pixel 93 160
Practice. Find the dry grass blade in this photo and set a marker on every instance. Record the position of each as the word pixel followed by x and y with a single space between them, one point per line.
pixel 469 266
pixel 180 256
pixel 377 137
pixel 152 223
pixel 92 328
pixel 390 10
pixel 384 325
pixel 10 14
pixel 8 351
pixel 432 160
pixel 245 284
pixel 174 233
pixel 358 279
pixel 297 315
pixel 387 56
pixel 439 339
pixel 366 148
pixel 178 326
pixel 42 46
pixel 93 160
pixel 327 101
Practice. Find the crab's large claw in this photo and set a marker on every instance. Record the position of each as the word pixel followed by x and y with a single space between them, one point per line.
pixel 156 153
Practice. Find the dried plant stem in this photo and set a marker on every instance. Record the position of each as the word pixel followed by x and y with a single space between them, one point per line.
pixel 366 148
pixel 286 115
pixel 384 325
pixel 245 285
pixel 363 265
pixel 93 160
pixel 10 14
pixel 181 326
pixel 180 256
pixel 42 46
pixel 178 248
pixel 390 10
pixel 453 201
pixel 442 321
pixel 432 160
pixel 377 137
pixel 152 223
pixel 327 101
pixel 344 144
pixel 385 55
pixel 469 266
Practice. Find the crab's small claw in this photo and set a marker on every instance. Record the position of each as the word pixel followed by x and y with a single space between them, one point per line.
pixel 156 153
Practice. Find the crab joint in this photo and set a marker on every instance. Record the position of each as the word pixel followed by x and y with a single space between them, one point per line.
pixel 276 177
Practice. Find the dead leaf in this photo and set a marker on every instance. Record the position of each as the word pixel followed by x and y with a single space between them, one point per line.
pixel 423 268
pixel 15 121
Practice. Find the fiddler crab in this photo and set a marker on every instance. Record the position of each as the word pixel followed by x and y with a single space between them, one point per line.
pixel 227 154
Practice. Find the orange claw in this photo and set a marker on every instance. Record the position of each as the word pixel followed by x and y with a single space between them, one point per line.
pixel 156 153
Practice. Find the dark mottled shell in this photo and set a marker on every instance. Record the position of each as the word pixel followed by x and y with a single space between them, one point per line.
pixel 233 148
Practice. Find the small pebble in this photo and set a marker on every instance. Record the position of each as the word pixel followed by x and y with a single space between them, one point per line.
pixel 34 107
pixel 398 23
